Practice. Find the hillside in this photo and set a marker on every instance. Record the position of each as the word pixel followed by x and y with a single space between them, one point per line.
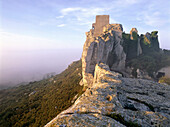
pixel 38 102
pixel 151 62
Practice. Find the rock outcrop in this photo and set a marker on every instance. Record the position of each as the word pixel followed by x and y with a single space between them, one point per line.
pixel 112 98
pixel 114 48
pixel 115 101
pixel 105 48
pixel 133 30
pixel 165 70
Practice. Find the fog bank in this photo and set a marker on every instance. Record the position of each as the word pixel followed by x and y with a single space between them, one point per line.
pixel 25 66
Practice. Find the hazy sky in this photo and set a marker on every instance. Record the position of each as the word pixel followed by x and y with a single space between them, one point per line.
pixel 58 25
pixel 51 24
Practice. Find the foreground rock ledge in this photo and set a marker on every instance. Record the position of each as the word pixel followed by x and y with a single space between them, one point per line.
pixel 137 101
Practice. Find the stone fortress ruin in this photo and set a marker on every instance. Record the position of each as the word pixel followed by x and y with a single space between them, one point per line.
pixel 101 25
pixel 101 21
pixel 109 44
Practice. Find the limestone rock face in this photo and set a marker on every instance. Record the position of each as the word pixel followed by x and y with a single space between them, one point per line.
pixel 105 48
pixel 131 33
pixel 107 43
pixel 149 42
pixel 165 70
pixel 138 101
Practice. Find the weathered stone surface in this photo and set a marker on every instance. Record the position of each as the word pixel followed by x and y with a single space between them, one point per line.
pixel 149 42
pixel 131 33
pixel 165 70
pixel 114 47
pixel 142 74
pixel 139 101
pixel 105 48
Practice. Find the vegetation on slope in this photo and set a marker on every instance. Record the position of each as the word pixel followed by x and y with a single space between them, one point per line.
pixel 130 46
pixel 152 58
pixel 39 102
pixel 151 62
pixel 164 80
pixel 149 43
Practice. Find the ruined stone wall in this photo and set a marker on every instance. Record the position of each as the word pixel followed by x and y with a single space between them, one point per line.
pixel 101 21
pixel 166 70
pixel 107 43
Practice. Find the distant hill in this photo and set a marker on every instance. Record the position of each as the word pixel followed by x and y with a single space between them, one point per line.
pixel 38 102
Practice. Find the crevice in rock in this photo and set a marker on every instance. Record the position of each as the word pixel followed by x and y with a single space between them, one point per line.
pixel 143 102
pixel 141 93
pixel 130 106
pixel 125 103
pixel 121 119
pixel 86 112
pixel 161 94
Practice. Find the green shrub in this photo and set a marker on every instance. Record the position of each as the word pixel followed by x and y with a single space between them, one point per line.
pixel 18 109
pixel 150 62
pixel 146 41
pixel 154 33
pixel 135 36
pixel 165 80
pixel 130 46
pixel 125 36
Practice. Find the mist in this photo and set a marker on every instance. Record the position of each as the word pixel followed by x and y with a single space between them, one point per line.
pixel 24 66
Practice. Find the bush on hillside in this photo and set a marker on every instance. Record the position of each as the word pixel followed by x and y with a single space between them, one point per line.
pixel 39 102
pixel 164 80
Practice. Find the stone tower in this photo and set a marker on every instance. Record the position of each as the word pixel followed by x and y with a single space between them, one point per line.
pixel 101 21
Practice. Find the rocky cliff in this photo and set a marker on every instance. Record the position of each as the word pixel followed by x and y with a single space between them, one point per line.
pixel 115 48
pixel 105 48
pixel 115 101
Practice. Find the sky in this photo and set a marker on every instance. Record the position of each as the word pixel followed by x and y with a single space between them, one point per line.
pixel 36 27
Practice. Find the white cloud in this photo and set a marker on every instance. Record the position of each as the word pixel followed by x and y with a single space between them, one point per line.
pixel 61 25
pixel 82 16
pixel 82 12
pixel 60 17
pixel 65 11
